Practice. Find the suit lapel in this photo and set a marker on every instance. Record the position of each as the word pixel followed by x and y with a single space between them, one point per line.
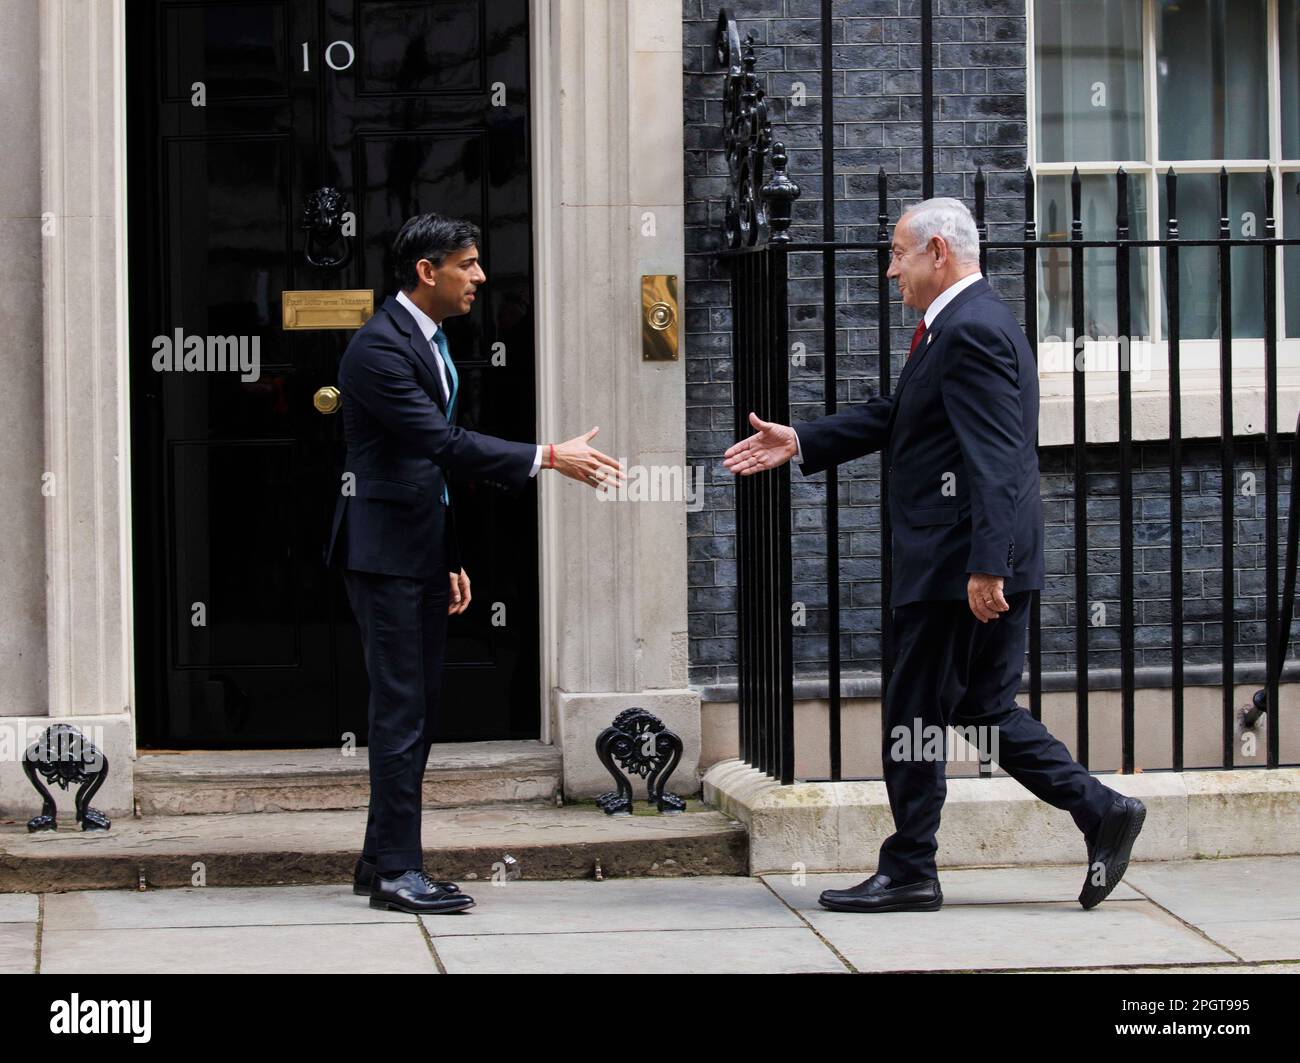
pixel 932 333
pixel 422 349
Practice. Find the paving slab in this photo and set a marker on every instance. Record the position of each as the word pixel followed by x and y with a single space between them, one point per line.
pixel 367 948
pixel 1274 939
pixel 1229 916
pixel 1249 904
pixel 1238 968
pixel 993 885
pixel 1240 889
pixel 17 948
pixel 618 905
pixel 1026 936
pixel 211 906
pixel 19 907
pixel 758 951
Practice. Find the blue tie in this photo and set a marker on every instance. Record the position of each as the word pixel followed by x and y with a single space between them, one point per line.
pixel 440 344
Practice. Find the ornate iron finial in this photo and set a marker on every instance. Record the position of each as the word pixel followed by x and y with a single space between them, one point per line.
pixel 747 136
pixel 63 756
pixel 779 195
pixel 643 746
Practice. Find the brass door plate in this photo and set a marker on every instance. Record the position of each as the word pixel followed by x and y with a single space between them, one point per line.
pixel 324 310
pixel 659 318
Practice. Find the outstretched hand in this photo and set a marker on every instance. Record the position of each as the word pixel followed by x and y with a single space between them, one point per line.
pixel 579 460
pixel 768 448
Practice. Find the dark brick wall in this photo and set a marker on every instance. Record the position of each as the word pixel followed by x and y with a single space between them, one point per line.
pixel 980 121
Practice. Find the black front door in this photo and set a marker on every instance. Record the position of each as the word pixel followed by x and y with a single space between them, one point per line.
pixel 237 113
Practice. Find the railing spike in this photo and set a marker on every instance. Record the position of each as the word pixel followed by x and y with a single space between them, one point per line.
pixel 1121 200
pixel 1225 226
pixel 1031 219
pixel 1076 206
pixel 882 205
pixel 1171 197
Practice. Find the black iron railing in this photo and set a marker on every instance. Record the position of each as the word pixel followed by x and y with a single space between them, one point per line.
pixel 757 257
pixel 766 677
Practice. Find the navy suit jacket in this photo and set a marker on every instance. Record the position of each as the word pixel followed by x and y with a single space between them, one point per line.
pixel 957 435
pixel 399 448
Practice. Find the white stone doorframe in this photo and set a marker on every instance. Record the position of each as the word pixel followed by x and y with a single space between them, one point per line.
pixel 608 207
pixel 85 488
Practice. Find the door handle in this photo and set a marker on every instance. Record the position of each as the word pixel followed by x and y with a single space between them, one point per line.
pixel 327 399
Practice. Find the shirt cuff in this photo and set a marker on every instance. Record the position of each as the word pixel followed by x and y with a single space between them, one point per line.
pixel 798 450
pixel 537 461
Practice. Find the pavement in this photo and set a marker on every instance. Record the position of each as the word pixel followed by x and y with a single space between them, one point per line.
pixel 1228 915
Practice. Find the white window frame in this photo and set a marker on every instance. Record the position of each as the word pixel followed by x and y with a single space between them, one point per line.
pixel 1198 358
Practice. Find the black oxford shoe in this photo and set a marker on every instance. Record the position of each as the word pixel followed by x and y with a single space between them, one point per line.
pixel 1109 849
pixel 415 892
pixel 877 894
pixel 364 877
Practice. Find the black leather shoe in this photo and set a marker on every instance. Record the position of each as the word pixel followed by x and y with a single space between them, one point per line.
pixel 1109 847
pixel 415 892
pixel 364 877
pixel 876 894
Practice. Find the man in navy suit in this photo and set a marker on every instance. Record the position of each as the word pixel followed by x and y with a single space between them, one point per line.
pixel 394 533
pixel 958 437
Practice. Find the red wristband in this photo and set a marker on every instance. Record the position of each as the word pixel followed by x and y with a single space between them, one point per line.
pixel 552 455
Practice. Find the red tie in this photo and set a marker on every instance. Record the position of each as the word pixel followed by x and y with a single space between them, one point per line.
pixel 916 337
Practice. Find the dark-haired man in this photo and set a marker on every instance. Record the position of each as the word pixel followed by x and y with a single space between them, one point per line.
pixel 394 535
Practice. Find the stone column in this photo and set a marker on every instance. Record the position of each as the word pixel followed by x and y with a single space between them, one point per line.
pixel 84 480
pixel 610 208
pixel 22 514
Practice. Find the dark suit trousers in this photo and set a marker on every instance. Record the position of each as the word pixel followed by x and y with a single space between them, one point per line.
pixel 951 670
pixel 403 626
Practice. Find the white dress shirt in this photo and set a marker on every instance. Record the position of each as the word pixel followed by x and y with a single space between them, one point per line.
pixel 428 327
pixel 948 295
pixel 931 312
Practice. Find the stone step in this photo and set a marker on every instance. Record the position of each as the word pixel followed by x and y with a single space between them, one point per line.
pixel 300 848
pixel 460 774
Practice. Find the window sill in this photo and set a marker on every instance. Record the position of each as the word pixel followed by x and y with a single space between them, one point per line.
pixel 1200 415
